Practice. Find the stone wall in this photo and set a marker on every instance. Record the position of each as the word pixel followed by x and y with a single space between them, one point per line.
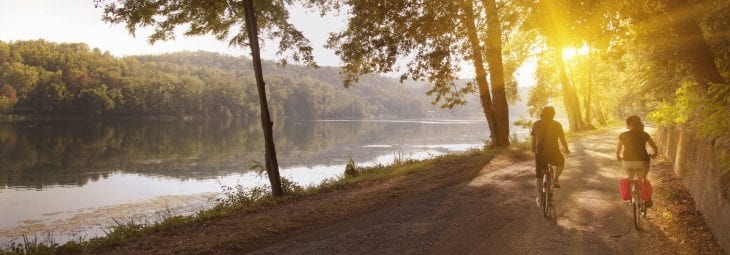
pixel 702 164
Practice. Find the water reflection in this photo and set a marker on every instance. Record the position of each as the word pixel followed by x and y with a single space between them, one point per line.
pixel 41 154
pixel 75 177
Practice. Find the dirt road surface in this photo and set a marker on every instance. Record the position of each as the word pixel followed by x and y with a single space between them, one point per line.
pixel 495 213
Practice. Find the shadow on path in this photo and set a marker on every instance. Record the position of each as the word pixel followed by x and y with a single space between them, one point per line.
pixel 495 213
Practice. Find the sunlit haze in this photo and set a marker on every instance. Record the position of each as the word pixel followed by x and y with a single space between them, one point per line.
pixel 570 52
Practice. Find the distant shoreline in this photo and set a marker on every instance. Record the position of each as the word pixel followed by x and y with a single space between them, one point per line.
pixel 5 118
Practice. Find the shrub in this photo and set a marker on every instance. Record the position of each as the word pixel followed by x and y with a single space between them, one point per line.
pixel 351 169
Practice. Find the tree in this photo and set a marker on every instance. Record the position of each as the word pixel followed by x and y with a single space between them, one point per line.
pixel 9 93
pixel 22 77
pixel 200 84
pixel 694 48
pixel 436 37
pixel 94 100
pixel 551 18
pixel 218 18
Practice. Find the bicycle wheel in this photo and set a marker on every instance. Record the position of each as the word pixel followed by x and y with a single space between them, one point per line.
pixel 545 194
pixel 637 206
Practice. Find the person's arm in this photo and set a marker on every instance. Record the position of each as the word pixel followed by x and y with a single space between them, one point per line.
pixel 533 139
pixel 619 146
pixel 562 139
pixel 565 143
pixel 653 146
pixel 534 143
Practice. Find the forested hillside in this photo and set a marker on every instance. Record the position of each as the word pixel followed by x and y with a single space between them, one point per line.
pixel 41 77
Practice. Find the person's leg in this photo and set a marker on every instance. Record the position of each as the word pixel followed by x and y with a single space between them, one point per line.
pixel 642 176
pixel 558 171
pixel 538 180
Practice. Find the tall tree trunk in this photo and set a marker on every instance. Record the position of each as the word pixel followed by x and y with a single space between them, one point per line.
pixel 272 166
pixel 496 73
pixel 570 98
pixel 693 44
pixel 600 114
pixel 589 91
pixel 587 104
pixel 481 75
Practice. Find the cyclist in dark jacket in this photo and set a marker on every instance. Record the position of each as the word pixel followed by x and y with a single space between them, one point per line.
pixel 545 135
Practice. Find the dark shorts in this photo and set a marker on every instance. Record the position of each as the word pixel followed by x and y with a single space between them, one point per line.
pixel 541 164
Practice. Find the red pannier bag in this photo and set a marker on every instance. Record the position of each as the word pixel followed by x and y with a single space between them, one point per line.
pixel 646 190
pixel 624 189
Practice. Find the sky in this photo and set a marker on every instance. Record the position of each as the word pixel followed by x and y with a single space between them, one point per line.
pixel 79 21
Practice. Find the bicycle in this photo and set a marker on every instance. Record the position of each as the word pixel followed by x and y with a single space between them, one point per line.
pixel 638 205
pixel 548 177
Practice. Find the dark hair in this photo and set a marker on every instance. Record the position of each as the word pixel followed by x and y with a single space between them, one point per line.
pixel 634 123
pixel 547 113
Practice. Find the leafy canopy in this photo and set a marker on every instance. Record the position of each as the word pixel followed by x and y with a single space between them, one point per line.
pixel 428 34
pixel 219 18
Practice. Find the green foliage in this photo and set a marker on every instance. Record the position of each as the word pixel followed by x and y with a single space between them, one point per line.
pixel 6 105
pixel 431 35
pixel 238 196
pixel 95 100
pixel 714 111
pixel 218 18
pixel 708 111
pixel 524 123
pixel 290 187
pixel 545 90
pixel 678 111
pixel 122 231
pixel 50 78
pixel 30 246
pixel 351 169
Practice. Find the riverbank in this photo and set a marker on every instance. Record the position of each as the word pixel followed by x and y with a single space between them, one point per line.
pixel 81 117
pixel 267 219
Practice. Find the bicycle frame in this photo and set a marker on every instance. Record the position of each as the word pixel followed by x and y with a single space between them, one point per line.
pixel 638 206
pixel 547 189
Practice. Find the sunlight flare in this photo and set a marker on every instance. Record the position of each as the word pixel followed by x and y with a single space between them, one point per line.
pixel 571 52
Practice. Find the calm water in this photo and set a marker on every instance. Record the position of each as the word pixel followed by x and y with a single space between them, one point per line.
pixel 74 178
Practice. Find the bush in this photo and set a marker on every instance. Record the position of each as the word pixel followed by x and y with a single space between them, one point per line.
pixel 240 196
pixel 708 111
pixel 351 169
pixel 290 187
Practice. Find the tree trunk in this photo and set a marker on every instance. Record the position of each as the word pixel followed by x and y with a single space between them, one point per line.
pixel 481 75
pixel 570 99
pixel 693 45
pixel 600 114
pixel 589 91
pixel 587 104
pixel 272 166
pixel 496 73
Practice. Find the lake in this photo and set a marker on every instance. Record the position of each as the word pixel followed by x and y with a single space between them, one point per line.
pixel 74 178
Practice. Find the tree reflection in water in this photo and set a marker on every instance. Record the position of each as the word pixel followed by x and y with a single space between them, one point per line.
pixel 38 154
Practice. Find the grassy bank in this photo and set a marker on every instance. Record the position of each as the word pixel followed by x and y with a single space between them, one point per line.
pixel 267 218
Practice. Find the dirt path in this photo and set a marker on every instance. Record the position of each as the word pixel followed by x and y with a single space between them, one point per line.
pixel 495 213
